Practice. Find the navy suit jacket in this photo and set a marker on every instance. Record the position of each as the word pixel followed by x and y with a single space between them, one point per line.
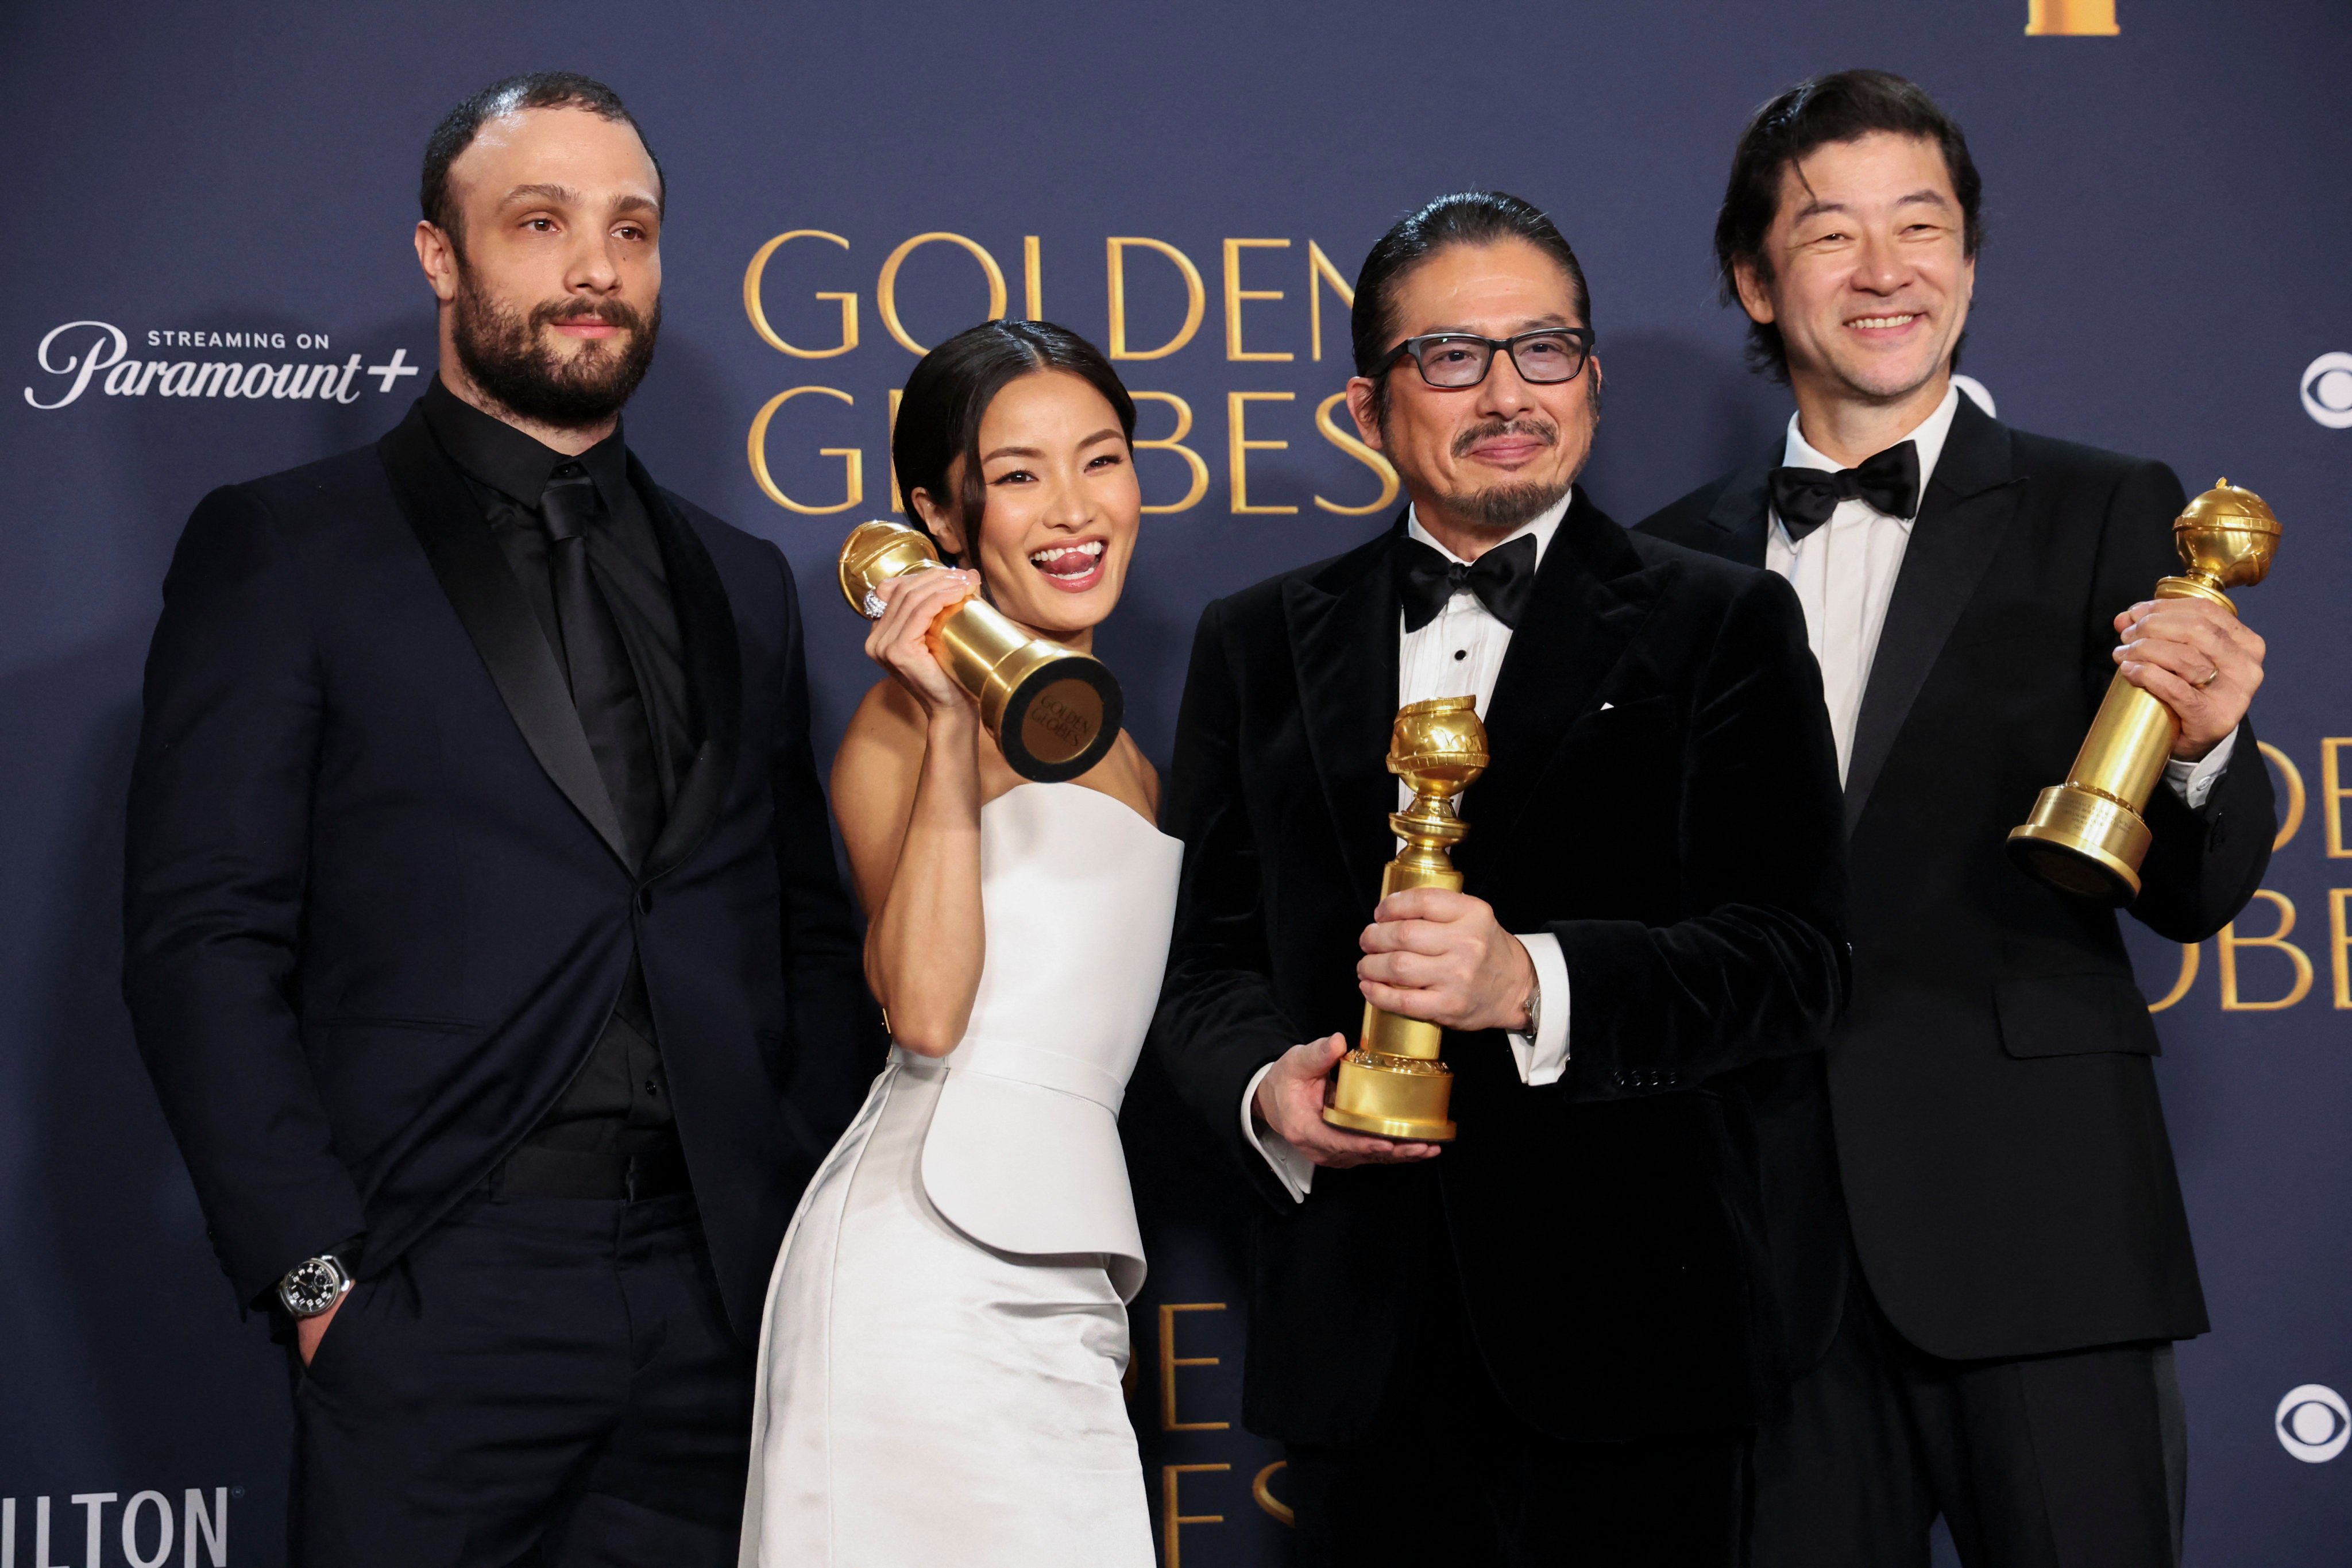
pixel 376 904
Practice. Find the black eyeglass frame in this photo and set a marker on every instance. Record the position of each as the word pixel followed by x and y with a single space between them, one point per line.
pixel 1582 337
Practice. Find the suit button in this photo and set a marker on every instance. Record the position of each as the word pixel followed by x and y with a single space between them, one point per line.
pixel 645 900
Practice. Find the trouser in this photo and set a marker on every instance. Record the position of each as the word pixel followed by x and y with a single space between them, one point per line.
pixel 2073 1460
pixel 1456 1480
pixel 539 1380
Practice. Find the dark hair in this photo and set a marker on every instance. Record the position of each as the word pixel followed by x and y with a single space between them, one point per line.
pixel 948 396
pixel 1843 106
pixel 1465 217
pixel 539 89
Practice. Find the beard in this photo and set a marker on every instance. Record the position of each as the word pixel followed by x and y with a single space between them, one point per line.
pixel 1509 506
pixel 508 353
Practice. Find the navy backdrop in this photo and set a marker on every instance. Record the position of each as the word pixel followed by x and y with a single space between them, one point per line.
pixel 234 186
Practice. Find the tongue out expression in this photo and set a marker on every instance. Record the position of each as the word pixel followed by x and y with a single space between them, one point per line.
pixel 1060 506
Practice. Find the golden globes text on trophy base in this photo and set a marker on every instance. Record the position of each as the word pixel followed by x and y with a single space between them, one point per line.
pixel 1393 1085
pixel 1053 711
pixel 2087 835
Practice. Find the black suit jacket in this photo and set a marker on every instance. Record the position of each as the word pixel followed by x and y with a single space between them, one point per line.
pixel 2003 1151
pixel 1663 799
pixel 377 905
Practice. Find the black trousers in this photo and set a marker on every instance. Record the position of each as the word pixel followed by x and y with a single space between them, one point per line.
pixel 546 1381
pixel 2075 1460
pixel 1458 1480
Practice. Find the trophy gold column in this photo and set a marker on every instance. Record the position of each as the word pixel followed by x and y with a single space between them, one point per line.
pixel 2087 835
pixel 1053 711
pixel 1394 1084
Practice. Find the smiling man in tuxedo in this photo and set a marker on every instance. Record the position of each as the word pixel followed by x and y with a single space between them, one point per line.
pixel 1544 1342
pixel 483 934
pixel 1992 1338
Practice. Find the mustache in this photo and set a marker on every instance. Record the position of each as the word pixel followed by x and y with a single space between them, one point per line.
pixel 1527 427
pixel 612 312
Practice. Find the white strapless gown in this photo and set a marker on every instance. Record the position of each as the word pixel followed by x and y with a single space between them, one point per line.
pixel 945 1330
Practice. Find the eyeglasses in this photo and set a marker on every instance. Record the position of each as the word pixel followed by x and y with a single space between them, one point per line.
pixel 1545 356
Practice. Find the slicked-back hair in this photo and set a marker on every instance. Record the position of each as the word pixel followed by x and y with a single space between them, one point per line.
pixel 539 89
pixel 946 398
pixel 1465 217
pixel 1843 106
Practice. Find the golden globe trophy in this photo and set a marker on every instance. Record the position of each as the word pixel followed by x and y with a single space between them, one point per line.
pixel 2086 836
pixel 1393 1085
pixel 1053 711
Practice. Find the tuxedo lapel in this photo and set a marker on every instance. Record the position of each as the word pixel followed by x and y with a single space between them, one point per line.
pixel 1590 596
pixel 714 673
pixel 490 604
pixel 1743 510
pixel 1343 635
pixel 1968 507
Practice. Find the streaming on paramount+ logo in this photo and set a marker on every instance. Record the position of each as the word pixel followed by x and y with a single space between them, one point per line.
pixel 101 1530
pixel 79 356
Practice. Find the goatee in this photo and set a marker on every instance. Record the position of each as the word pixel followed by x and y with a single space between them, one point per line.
pixel 508 354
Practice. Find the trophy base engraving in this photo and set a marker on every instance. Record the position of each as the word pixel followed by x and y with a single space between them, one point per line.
pixel 1055 715
pixel 1393 1097
pixel 2083 842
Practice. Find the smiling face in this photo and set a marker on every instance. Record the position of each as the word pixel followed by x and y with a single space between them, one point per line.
pixel 1869 279
pixel 1479 461
pixel 1062 505
pixel 550 291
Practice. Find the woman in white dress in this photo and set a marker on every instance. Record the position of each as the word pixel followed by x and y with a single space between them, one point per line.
pixel 946 1330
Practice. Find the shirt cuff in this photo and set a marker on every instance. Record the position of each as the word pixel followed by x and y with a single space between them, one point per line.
pixel 1294 1171
pixel 1543 1056
pixel 2193 782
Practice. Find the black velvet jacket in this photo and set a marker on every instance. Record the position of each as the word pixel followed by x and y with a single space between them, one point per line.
pixel 378 904
pixel 2002 1148
pixel 1664 798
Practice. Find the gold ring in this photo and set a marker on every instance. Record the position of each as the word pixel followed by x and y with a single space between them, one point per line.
pixel 2211 676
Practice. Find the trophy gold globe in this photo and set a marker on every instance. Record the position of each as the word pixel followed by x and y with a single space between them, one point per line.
pixel 1053 711
pixel 1394 1084
pixel 2087 835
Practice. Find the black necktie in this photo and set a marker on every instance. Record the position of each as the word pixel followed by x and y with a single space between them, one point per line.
pixel 603 686
pixel 1890 481
pixel 1501 578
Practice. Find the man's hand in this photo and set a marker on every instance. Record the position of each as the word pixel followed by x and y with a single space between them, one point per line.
pixel 2199 659
pixel 1440 956
pixel 308 1332
pixel 1290 1102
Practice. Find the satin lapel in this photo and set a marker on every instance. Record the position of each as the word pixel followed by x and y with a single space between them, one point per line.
pixel 714 672
pixel 1343 644
pixel 1744 510
pixel 1967 510
pixel 1591 595
pixel 490 605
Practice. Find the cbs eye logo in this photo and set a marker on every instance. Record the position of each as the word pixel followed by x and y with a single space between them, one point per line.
pixel 2328 390
pixel 2312 1424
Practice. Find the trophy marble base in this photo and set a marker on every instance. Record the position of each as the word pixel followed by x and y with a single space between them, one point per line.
pixel 1393 1097
pixel 2083 842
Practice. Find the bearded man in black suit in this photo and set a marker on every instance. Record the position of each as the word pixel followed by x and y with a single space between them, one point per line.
pixel 484 939
pixel 1546 1338
pixel 1992 1338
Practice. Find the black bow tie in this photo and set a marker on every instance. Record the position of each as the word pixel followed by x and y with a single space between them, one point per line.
pixel 1501 578
pixel 1805 497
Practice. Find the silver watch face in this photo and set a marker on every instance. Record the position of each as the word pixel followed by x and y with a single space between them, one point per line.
pixel 312 1286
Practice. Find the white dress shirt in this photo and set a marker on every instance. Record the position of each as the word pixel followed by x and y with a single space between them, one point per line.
pixel 1459 654
pixel 1845 574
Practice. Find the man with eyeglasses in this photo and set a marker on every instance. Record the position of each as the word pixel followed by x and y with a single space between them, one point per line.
pixel 1980 1323
pixel 1544 1341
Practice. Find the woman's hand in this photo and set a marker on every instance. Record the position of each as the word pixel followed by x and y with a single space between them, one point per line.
pixel 900 642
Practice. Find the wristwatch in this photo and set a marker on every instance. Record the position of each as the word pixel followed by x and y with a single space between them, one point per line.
pixel 1534 1005
pixel 313 1285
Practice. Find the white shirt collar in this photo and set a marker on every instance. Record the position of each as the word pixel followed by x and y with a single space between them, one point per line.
pixel 1543 526
pixel 1929 435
